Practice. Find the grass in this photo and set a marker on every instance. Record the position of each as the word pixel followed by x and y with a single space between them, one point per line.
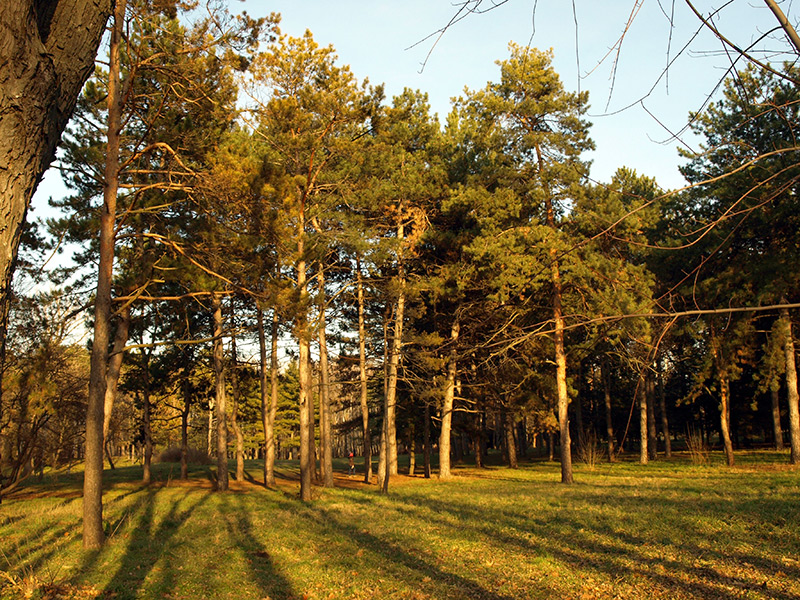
pixel 665 530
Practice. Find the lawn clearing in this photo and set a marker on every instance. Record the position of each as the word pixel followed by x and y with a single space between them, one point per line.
pixel 665 530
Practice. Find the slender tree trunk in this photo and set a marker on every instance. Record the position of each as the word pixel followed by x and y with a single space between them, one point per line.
pixel 187 405
pixel 447 402
pixel 237 429
pixel 112 375
pixel 662 401
pixel 269 407
pixel 147 475
pixel 652 435
pixel 326 437
pixel 93 535
pixel 644 455
pixel 362 376
pixel 776 419
pixel 412 448
pixel 561 370
pixel 220 400
pixel 725 418
pixel 426 438
pixel 606 376
pixel 791 387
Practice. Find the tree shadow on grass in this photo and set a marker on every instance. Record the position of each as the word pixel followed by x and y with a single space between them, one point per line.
pixel 578 546
pixel 413 570
pixel 148 539
pixel 264 572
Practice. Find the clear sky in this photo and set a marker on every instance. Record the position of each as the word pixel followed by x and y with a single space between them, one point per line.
pixel 387 41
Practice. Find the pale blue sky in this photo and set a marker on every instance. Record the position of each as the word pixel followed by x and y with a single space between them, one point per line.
pixel 377 39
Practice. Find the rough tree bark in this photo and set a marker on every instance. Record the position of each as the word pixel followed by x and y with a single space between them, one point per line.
pixel 237 428
pixel 644 455
pixel 776 419
pixel 606 377
pixel 113 372
pixel 47 52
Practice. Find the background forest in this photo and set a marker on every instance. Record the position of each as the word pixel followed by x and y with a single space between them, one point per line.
pixel 437 289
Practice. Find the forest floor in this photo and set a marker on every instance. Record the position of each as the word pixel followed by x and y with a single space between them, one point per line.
pixel 670 529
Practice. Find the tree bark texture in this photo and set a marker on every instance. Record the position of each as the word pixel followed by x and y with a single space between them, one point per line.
pixel 47 52
pixel 777 429
pixel 508 427
pixel 447 403
pixel 220 399
pixel 652 435
pixel 606 377
pixel 662 403
pixel 791 388
pixel 93 535
pixel 326 435
pixel 237 428
pixel 725 418
pixel 644 455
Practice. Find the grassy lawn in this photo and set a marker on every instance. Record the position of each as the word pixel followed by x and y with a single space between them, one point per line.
pixel 665 530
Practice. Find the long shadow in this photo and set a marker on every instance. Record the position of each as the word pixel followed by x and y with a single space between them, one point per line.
pixel 271 582
pixel 599 558
pixel 413 570
pixel 145 542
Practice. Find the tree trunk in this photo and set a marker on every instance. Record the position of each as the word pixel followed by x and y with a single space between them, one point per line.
pixel 508 426
pixel 93 535
pixel 791 388
pixel 47 52
pixel 412 449
pixel 220 400
pixel 426 438
pixel 187 405
pixel 362 376
pixel 662 402
pixel 776 420
pixel 652 435
pixel 268 409
pixel 447 402
pixel 725 418
pixel 644 455
pixel 606 376
pixel 113 372
pixel 237 429
pixel 146 423
pixel 326 437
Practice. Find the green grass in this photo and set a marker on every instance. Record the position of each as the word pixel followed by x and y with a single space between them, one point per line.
pixel 665 530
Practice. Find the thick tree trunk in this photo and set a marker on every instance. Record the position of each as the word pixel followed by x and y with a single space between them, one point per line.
pixel 606 377
pixel 93 535
pixel 644 455
pixel 237 429
pixel 511 446
pixel 326 435
pixel 113 372
pixel 306 399
pixel 220 399
pixel 362 376
pixel 447 402
pixel 791 388
pixel 777 429
pixel 47 52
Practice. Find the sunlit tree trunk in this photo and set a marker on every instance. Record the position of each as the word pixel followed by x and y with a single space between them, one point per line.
pixel 220 399
pixel 93 535
pixel 791 387
pixel 147 426
pixel 269 402
pixel 326 435
pixel 508 426
pixel 112 374
pixel 362 376
pixel 447 403
pixel 644 455
pixel 426 436
pixel 776 419
pixel 652 435
pixel 237 428
pixel 187 404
